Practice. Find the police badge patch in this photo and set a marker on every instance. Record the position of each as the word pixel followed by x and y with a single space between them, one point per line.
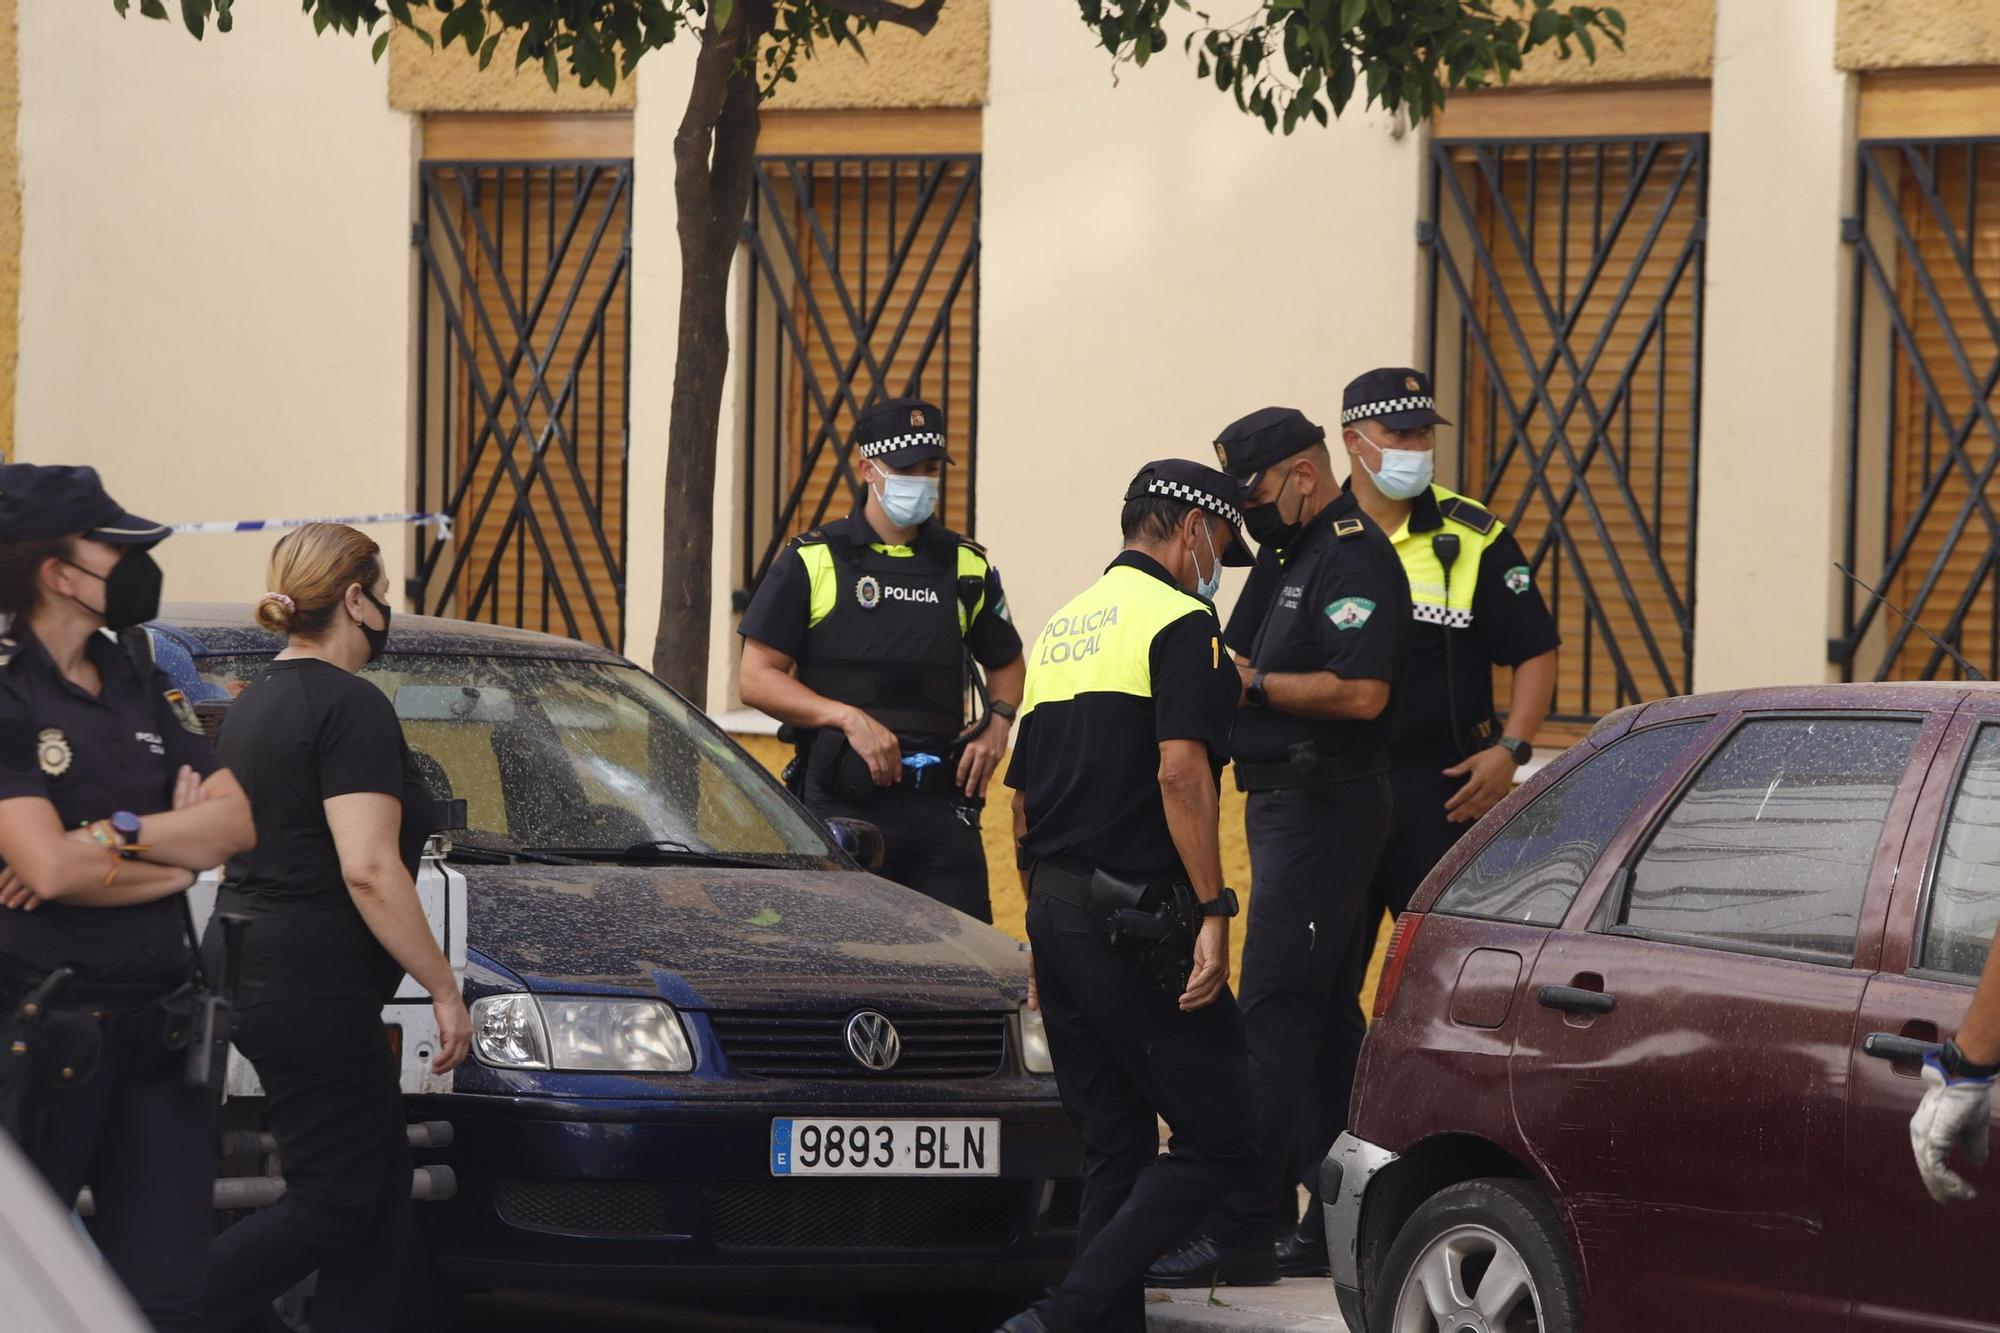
pixel 184 713
pixel 868 592
pixel 1350 612
pixel 53 753
pixel 1518 580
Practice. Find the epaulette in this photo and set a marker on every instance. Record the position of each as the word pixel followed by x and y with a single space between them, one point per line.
pixel 810 537
pixel 8 647
pixel 1344 528
pixel 1461 510
pixel 977 549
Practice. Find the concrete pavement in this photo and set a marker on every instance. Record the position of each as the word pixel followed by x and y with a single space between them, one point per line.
pixel 1296 1305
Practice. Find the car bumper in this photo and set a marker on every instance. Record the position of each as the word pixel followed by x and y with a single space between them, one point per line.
pixel 1344 1177
pixel 646 1197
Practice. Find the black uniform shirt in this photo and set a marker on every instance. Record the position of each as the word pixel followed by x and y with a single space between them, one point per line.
pixel 1088 754
pixel 1338 601
pixel 305 732
pixel 91 756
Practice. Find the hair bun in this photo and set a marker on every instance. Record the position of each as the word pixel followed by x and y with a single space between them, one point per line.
pixel 274 612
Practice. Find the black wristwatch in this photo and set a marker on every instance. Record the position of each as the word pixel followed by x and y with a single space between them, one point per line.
pixel 1004 709
pixel 1222 904
pixel 1955 1064
pixel 1254 693
pixel 1519 751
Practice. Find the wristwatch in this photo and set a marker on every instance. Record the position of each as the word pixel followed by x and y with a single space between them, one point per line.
pixel 1005 709
pixel 1222 904
pixel 125 824
pixel 1519 751
pixel 1955 1065
pixel 1254 694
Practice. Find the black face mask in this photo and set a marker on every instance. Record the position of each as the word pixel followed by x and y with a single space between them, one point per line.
pixel 131 590
pixel 1266 526
pixel 378 639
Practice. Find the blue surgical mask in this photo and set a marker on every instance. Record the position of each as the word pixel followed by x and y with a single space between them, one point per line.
pixel 1405 474
pixel 908 501
pixel 1206 586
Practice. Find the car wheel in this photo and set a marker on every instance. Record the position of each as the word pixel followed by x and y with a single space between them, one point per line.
pixel 1484 1256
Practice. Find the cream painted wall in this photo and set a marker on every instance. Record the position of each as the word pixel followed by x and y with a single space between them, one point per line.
pixel 1156 265
pixel 215 305
pixel 1771 396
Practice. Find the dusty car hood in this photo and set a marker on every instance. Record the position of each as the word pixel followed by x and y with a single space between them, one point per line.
pixel 729 939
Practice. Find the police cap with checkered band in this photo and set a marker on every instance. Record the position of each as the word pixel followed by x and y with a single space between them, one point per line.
pixel 900 432
pixel 1397 396
pixel 1205 488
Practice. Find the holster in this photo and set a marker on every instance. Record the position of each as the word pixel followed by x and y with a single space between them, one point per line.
pixel 1156 921
pixel 43 1048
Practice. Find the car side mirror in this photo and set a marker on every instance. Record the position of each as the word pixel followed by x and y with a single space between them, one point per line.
pixel 859 839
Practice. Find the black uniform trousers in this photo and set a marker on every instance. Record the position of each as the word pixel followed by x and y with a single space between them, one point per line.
pixel 1127 1057
pixel 930 840
pixel 145 1144
pixel 336 1106
pixel 1313 854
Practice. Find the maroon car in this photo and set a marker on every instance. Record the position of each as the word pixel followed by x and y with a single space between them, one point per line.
pixel 1647 1042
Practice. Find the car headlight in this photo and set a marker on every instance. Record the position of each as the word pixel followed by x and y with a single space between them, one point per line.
pixel 1035 1057
pixel 564 1032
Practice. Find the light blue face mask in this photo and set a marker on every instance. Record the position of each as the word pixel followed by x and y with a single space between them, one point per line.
pixel 1206 587
pixel 1405 474
pixel 908 501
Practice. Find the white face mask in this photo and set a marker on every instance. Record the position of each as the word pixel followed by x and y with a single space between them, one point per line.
pixel 907 501
pixel 1206 586
pixel 1405 474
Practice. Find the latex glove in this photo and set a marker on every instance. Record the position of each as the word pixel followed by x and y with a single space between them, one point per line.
pixel 1953 1113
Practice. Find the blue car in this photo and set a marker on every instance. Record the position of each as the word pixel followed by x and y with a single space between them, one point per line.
pixel 710 1049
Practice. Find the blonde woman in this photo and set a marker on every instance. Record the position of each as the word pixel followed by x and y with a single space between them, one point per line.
pixel 335 923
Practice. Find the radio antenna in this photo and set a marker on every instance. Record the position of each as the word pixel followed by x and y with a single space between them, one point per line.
pixel 1942 646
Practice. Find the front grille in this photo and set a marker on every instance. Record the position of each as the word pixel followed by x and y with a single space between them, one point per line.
pixel 867 1214
pixel 1065 1206
pixel 769 1045
pixel 586 1207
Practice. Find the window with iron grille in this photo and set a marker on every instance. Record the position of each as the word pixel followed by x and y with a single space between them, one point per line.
pixel 1923 439
pixel 1565 290
pixel 864 286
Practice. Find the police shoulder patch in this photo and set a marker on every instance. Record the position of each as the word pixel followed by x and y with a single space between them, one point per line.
pixel 1461 510
pixel 184 714
pixel 1349 527
pixel 1350 612
pixel 1518 579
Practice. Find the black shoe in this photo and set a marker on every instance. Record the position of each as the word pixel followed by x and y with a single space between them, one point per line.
pixel 1303 1252
pixel 1204 1262
pixel 1025 1322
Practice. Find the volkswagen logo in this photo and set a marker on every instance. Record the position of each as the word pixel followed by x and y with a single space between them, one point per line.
pixel 872 1041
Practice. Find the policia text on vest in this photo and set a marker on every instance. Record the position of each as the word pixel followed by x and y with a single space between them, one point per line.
pixel 865 640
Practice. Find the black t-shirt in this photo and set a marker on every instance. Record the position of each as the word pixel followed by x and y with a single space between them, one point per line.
pixel 1338 601
pixel 1088 751
pixel 303 733
pixel 92 756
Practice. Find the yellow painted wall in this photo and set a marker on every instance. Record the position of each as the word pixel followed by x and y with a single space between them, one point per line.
pixel 422 78
pixel 215 258
pixel 10 218
pixel 899 69
pixel 1665 40
pixel 1916 34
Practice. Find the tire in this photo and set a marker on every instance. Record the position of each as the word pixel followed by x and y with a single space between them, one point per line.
pixel 1447 1271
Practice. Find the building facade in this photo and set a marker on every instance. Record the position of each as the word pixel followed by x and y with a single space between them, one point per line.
pixel 1709 315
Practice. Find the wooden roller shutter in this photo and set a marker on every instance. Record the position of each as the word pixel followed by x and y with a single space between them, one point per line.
pixel 1592 247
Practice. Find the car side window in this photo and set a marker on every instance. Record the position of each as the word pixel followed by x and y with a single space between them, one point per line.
pixel 1531 870
pixel 1965 890
pixel 1769 849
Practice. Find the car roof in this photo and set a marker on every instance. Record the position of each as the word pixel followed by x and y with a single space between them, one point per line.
pixel 222 629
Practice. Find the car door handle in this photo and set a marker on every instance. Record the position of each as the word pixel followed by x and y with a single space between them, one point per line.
pixel 1889 1046
pixel 1576 1000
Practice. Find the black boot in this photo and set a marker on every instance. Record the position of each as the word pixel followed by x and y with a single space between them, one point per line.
pixel 1025 1322
pixel 1302 1253
pixel 1204 1262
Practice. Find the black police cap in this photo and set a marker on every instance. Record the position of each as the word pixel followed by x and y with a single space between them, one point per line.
pixel 1397 396
pixel 1269 435
pixel 900 432
pixel 42 503
pixel 1199 485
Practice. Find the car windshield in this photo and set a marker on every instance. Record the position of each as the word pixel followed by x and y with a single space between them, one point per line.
pixel 578 757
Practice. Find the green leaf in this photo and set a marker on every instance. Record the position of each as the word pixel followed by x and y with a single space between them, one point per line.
pixel 152 9
pixel 1350 13
pixel 486 51
pixel 381 45
pixel 1584 40
pixel 724 11
pixel 194 13
pixel 549 69
pixel 121 6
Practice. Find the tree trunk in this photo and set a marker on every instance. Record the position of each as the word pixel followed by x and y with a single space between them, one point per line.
pixel 713 165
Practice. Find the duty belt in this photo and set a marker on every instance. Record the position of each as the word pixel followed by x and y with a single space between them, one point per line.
pixel 1308 768
pixel 1051 880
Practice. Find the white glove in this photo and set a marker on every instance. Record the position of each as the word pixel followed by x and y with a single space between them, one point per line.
pixel 1953 1113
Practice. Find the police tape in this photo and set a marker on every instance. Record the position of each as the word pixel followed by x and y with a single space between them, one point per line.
pixel 442 522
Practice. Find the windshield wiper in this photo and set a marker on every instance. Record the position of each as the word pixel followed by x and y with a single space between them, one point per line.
pixel 494 854
pixel 669 849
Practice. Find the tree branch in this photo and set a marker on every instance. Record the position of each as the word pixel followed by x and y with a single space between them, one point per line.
pixel 920 18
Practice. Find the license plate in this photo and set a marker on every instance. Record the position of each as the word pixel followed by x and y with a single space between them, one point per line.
pixel 885 1147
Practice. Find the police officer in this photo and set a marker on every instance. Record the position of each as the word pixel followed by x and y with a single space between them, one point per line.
pixel 1124 733
pixel 1311 748
pixel 1474 605
pixel 858 641
pixel 110 803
